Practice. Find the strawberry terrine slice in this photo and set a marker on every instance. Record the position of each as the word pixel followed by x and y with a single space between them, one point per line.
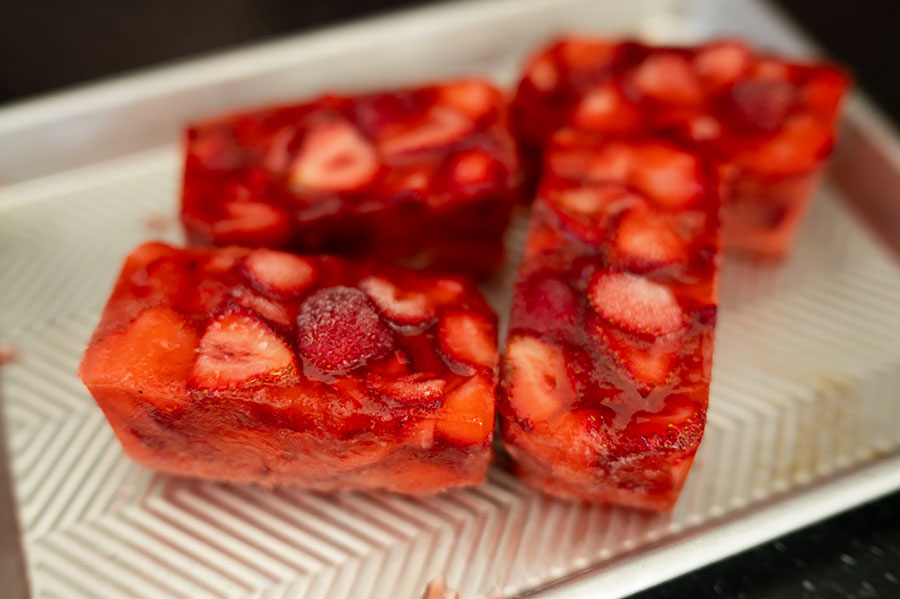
pixel 257 365
pixel 424 176
pixel 605 380
pixel 767 123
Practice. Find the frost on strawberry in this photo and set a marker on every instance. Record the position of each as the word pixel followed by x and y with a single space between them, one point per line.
pixel 606 336
pixel 395 176
pixel 262 366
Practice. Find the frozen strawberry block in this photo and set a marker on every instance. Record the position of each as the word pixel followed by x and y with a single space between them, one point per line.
pixel 258 365
pixel 424 176
pixel 605 380
pixel 768 124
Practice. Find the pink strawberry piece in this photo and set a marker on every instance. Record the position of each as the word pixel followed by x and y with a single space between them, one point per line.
pixel 338 330
pixel 602 334
pixel 202 374
pixel 668 77
pixel 441 126
pixel 394 176
pixel 469 338
pixel 669 176
pixel 245 222
pixel 636 303
pixel 334 157
pixel 765 123
pixel 539 389
pixel 763 104
pixel 278 273
pixel 649 365
pixel 647 239
pixel 411 390
pixel 404 307
pixel 722 63
pixel 238 348
pixel 471 97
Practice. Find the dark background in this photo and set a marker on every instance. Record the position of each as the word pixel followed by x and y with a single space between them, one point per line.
pixel 45 45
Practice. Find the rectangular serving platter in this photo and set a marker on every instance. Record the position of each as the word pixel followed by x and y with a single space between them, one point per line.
pixel 804 415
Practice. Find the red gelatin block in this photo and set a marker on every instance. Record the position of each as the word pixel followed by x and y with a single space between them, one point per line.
pixel 768 124
pixel 425 176
pixel 258 365
pixel 605 379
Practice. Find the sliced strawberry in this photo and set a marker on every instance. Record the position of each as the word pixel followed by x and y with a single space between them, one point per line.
pixel 469 338
pixel 720 64
pixel 339 329
pixel 801 145
pixel 545 303
pixel 415 390
pixel 645 238
pixel 223 259
pixel 334 157
pixel 611 162
pixel 474 172
pixel 265 307
pixel 678 426
pixel 279 274
pixel 404 307
pixel 604 108
pixel 152 356
pixel 671 177
pixel 252 223
pixel 585 54
pixel 238 348
pixel 647 364
pixel 537 380
pixel 762 104
pixel 669 78
pixel 586 210
pixel 542 73
pixel 147 253
pixel 441 126
pixel 471 97
pixel 635 303
pixel 467 416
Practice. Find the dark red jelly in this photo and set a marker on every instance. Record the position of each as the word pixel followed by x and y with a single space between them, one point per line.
pixel 258 365
pixel 768 124
pixel 605 380
pixel 423 176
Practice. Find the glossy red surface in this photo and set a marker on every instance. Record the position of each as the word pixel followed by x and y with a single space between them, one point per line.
pixel 258 365
pixel 424 176
pixel 767 123
pixel 605 380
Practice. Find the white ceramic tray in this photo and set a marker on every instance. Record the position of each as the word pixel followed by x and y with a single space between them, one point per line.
pixel 804 419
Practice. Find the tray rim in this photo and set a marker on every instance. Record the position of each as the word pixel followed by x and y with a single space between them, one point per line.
pixel 742 529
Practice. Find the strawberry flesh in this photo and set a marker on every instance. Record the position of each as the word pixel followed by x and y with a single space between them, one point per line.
pixel 279 274
pixel 636 304
pixel 334 157
pixel 238 348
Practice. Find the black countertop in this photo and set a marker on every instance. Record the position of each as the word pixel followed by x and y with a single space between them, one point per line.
pixel 49 44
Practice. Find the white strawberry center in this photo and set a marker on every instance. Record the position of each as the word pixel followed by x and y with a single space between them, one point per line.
pixel 334 157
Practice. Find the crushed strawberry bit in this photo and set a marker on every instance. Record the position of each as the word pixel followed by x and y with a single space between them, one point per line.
pixel 256 365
